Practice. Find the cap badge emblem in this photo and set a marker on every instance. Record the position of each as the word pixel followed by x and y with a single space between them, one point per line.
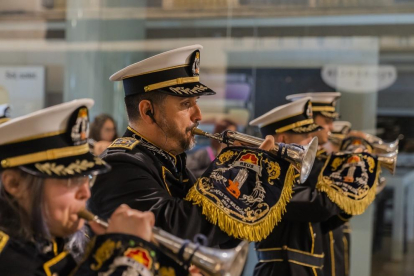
pixel 196 64
pixel 309 112
pixel 80 131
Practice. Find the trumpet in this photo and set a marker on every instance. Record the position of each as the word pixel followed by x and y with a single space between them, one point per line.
pixel 210 261
pixel 388 161
pixel 379 146
pixel 301 157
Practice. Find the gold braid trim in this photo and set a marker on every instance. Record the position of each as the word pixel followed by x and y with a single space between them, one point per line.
pixel 239 229
pixel 333 115
pixel 337 196
pixel 74 167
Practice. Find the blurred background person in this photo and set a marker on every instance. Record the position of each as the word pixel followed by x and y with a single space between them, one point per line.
pixel 199 160
pixel 102 134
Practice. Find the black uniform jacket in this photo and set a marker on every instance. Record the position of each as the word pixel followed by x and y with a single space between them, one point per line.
pixel 336 242
pixel 113 254
pixel 149 179
pixel 295 246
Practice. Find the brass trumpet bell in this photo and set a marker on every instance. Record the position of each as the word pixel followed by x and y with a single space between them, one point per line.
pixel 379 146
pixel 388 161
pixel 301 157
pixel 386 147
pixel 210 261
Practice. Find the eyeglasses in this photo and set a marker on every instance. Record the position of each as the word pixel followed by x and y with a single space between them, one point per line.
pixel 80 180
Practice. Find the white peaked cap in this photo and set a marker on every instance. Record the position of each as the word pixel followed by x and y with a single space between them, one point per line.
pixel 42 122
pixel 323 102
pixel 316 97
pixel 175 72
pixel 280 112
pixel 341 127
pixel 51 142
pixel 172 58
pixel 295 116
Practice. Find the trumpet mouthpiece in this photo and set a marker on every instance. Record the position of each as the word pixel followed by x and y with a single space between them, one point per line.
pixel 197 131
pixel 85 214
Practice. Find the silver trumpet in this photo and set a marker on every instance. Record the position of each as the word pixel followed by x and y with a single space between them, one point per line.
pixel 388 160
pixel 210 261
pixel 301 157
pixel 379 146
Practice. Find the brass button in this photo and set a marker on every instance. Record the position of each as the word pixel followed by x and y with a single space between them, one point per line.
pixel 5 163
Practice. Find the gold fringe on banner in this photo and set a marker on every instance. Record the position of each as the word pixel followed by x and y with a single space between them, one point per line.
pixel 240 229
pixel 352 206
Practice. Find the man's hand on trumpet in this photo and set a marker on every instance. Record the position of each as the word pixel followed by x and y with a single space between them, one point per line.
pixel 268 143
pixel 129 221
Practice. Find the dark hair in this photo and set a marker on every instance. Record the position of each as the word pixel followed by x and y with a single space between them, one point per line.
pixel 16 222
pixel 132 102
pixel 14 219
pixel 97 124
pixel 221 126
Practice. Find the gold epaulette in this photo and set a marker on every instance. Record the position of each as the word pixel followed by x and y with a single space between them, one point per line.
pixel 4 238
pixel 124 143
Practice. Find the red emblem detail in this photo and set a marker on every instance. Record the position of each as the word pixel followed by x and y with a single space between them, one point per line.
pixel 356 142
pixel 140 255
pixel 353 159
pixel 249 158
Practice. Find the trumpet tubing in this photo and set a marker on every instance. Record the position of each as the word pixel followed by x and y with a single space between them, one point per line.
pixel 301 157
pixel 379 146
pixel 210 261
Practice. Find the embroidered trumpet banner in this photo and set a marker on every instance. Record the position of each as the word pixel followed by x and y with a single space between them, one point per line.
pixel 350 180
pixel 244 191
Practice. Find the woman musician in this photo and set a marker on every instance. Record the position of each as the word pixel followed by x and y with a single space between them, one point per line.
pixel 45 175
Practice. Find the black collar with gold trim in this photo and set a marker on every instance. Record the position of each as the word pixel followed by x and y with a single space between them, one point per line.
pixel 174 163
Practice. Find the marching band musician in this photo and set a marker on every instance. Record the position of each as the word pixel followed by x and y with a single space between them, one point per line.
pixel 149 163
pixel 295 245
pixel 336 231
pixel 45 174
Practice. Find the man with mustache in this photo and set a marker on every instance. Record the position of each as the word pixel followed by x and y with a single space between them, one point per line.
pixel 149 163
